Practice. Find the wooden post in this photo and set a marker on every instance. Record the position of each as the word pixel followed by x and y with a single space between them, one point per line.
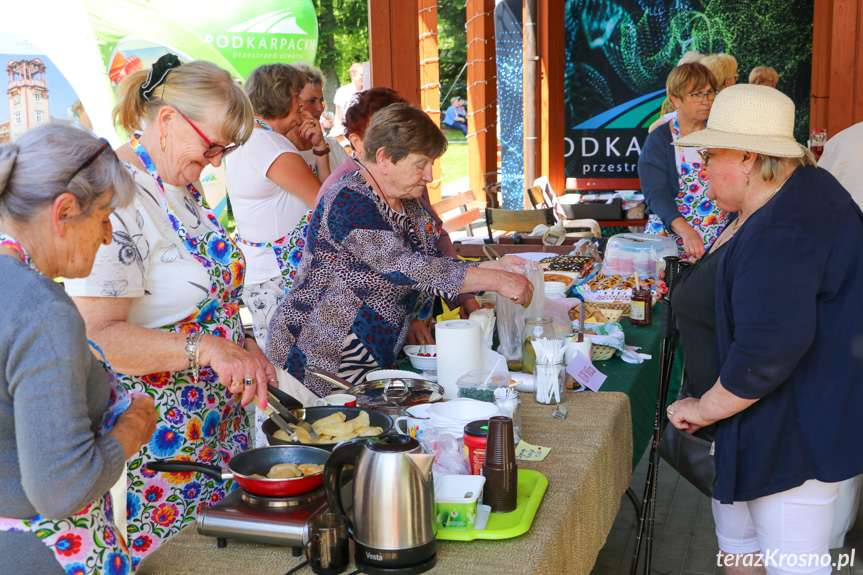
pixel 408 67
pixel 393 56
pixel 550 93
pixel 430 78
pixel 837 65
pixel 481 94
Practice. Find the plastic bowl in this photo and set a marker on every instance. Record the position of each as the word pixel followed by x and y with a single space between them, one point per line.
pixel 461 411
pixel 422 362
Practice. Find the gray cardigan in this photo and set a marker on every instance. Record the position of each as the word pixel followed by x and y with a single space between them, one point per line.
pixel 53 392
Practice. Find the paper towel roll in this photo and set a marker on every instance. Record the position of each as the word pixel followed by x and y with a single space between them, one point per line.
pixel 459 350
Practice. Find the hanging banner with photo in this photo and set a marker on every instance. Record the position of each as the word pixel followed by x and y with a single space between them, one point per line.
pixel 65 58
pixel 619 54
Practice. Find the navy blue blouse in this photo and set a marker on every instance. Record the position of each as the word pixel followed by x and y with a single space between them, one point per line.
pixel 789 305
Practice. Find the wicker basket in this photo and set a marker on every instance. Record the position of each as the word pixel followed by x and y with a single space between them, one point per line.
pixel 602 352
pixel 623 306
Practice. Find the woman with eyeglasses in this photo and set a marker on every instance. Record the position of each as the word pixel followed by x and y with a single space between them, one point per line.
pixel 788 387
pixel 272 186
pixel 66 424
pixel 163 298
pixel 673 180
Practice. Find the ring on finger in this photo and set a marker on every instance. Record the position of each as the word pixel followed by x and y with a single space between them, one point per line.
pixel 272 379
pixel 249 381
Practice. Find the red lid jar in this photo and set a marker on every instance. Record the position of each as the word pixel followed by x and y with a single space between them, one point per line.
pixel 475 437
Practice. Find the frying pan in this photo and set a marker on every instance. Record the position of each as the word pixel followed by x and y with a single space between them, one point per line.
pixel 312 414
pixel 258 461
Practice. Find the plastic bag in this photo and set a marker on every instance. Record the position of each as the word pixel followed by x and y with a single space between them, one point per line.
pixel 510 316
pixel 450 456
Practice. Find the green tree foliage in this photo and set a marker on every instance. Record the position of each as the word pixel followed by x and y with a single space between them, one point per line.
pixel 343 38
pixel 452 45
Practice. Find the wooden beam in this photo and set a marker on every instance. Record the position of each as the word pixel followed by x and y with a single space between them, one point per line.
pixel 843 50
pixel 393 56
pixel 550 92
pixel 481 92
pixel 429 69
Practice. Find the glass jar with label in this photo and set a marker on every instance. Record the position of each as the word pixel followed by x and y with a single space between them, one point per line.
pixel 534 328
pixel 641 307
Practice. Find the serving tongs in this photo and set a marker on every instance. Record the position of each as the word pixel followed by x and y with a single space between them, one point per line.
pixel 284 417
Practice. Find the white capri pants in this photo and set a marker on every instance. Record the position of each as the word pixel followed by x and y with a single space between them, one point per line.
pixel 790 529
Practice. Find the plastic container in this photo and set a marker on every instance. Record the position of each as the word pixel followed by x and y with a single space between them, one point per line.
pixel 451 416
pixel 627 254
pixel 472 384
pixel 475 438
pixel 456 500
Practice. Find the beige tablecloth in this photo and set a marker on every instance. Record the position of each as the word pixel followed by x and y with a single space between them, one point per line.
pixel 588 470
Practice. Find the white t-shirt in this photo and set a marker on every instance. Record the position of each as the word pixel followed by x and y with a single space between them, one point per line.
pixel 147 261
pixel 337 156
pixel 344 98
pixel 264 212
pixel 841 158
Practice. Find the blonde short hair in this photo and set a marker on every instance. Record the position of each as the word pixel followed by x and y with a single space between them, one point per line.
pixel 312 75
pixel 690 76
pixel 765 73
pixel 723 66
pixel 771 166
pixel 200 90
pixel 273 87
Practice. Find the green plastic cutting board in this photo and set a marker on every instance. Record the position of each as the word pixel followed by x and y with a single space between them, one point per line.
pixel 531 488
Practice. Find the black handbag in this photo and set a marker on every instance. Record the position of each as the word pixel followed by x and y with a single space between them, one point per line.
pixel 690 455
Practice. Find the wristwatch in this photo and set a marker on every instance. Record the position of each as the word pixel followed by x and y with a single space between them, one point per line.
pixel 322 152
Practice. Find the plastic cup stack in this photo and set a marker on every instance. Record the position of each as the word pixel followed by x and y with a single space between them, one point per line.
pixel 499 468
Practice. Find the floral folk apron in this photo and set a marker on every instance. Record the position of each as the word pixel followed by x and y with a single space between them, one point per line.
pixel 199 420
pixel 695 207
pixel 288 249
pixel 87 542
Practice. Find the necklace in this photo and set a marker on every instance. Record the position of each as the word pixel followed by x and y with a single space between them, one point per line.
pixel 738 222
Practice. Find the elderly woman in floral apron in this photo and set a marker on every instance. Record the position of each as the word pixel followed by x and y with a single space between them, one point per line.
pixel 163 298
pixel 272 190
pixel 66 425
pixel 673 180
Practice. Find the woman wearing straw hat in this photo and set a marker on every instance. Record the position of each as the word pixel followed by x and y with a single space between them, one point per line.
pixel 673 182
pixel 790 387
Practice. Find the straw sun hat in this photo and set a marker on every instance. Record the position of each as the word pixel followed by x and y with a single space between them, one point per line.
pixel 750 118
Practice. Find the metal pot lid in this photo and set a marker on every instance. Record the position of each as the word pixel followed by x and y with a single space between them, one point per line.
pixel 396 392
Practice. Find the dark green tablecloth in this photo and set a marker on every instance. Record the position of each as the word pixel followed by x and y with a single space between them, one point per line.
pixel 639 381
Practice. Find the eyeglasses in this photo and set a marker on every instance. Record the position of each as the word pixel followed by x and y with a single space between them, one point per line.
pixel 213 150
pixel 709 94
pixel 105 146
pixel 705 157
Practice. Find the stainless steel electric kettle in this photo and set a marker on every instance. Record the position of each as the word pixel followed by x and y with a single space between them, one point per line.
pixel 393 515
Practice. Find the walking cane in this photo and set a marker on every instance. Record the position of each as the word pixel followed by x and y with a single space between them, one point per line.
pixel 668 345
